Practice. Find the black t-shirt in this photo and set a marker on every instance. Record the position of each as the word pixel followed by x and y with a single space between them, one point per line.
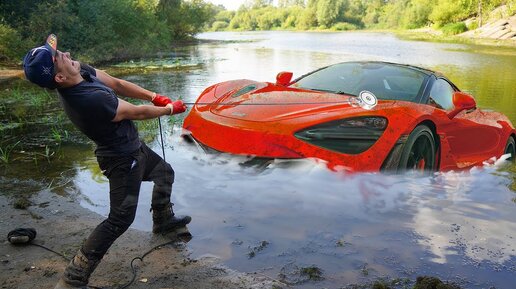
pixel 91 106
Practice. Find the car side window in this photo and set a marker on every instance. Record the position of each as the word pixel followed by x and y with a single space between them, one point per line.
pixel 441 95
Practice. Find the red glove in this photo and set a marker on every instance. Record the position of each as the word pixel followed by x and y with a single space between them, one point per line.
pixel 177 107
pixel 161 100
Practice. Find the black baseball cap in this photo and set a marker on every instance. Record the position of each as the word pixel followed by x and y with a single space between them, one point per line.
pixel 38 64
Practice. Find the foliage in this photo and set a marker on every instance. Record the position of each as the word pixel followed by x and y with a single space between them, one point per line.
pixel 219 25
pixel 101 30
pixel 11 43
pixel 343 26
pixel 357 14
pixel 454 28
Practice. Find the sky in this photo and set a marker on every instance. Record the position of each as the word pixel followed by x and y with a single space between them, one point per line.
pixel 229 4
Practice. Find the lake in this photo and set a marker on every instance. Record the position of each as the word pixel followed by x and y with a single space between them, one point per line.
pixel 292 215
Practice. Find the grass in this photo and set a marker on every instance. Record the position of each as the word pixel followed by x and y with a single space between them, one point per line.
pixel 423 36
pixel 5 152
pixel 47 154
pixel 454 28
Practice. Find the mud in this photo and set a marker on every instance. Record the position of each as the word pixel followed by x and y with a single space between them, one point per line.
pixel 62 225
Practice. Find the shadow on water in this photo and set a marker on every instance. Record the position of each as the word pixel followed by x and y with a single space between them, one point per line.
pixel 294 221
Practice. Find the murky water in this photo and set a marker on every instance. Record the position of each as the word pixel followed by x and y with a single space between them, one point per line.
pixel 292 215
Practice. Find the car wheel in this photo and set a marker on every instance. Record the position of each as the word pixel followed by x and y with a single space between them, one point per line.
pixel 419 151
pixel 510 148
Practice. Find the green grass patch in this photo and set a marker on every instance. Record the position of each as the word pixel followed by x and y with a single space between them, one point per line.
pixel 454 28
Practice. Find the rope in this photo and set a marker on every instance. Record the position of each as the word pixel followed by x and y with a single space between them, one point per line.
pixel 161 135
pixel 266 104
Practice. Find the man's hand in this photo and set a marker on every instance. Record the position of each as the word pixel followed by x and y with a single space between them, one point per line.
pixel 176 107
pixel 161 100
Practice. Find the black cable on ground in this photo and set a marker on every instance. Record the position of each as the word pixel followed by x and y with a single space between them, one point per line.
pixel 25 236
pixel 133 269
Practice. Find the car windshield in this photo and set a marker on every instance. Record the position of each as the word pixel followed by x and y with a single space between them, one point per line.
pixel 386 81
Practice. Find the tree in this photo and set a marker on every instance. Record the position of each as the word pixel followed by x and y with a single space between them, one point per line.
pixel 328 11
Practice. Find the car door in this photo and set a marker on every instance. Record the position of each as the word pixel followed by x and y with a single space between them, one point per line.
pixel 470 138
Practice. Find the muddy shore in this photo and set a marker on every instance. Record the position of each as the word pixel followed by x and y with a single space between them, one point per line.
pixel 62 224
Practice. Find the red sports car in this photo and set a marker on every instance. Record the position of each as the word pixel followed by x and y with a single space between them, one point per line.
pixel 362 116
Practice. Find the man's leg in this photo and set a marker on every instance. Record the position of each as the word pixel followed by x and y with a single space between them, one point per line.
pixel 162 174
pixel 125 176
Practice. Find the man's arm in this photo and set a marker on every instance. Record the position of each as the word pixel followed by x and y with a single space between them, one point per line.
pixel 123 87
pixel 130 111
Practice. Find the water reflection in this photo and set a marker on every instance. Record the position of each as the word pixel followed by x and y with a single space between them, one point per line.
pixel 467 216
pixel 451 224
pixel 458 226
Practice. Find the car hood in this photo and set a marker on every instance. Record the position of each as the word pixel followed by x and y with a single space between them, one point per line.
pixel 268 102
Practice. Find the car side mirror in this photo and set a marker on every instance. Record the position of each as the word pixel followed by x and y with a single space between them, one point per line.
pixel 461 101
pixel 283 78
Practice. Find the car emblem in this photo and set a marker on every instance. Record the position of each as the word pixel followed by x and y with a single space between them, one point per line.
pixel 365 99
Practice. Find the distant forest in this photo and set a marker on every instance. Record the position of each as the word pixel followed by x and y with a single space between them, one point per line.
pixel 358 14
pixel 120 29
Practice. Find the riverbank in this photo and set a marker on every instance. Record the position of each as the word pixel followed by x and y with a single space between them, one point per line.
pixel 62 224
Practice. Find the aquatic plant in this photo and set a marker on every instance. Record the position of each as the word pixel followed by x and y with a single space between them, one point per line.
pixel 428 282
pixel 260 247
pixel 22 203
pixel 59 134
pixel 5 153
pixel 47 154
pixel 313 273
pixel 56 135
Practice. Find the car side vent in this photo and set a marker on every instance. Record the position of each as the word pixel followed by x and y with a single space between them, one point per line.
pixel 348 136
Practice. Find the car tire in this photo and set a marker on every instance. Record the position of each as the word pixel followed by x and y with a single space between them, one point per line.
pixel 419 152
pixel 510 148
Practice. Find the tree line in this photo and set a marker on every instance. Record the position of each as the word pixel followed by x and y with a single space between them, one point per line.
pixel 100 30
pixel 357 14
pixel 120 29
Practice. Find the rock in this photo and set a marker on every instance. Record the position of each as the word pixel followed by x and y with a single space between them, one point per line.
pixel 504 28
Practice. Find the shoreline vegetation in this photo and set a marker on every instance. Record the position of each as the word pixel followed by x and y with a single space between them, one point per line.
pixel 101 32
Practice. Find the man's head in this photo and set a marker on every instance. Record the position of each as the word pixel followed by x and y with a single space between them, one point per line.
pixel 38 64
pixel 50 68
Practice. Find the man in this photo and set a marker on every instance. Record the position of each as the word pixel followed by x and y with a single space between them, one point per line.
pixel 89 98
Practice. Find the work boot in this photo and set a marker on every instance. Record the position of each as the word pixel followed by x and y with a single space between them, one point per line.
pixel 77 273
pixel 165 221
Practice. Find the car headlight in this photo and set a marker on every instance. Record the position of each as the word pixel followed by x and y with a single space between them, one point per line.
pixel 349 136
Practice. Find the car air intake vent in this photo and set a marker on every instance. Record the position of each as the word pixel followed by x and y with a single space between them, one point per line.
pixel 244 90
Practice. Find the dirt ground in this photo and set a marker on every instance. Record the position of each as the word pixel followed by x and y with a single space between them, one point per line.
pixel 10 73
pixel 62 224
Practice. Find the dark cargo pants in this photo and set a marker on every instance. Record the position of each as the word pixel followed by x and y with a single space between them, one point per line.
pixel 125 174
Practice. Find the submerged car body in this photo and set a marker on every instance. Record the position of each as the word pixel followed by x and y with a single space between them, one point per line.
pixel 420 121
